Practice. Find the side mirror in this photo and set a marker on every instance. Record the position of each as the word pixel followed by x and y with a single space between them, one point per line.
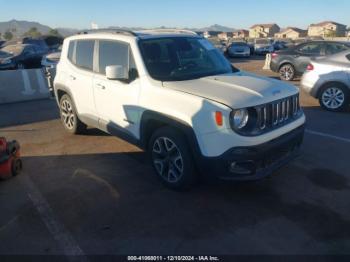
pixel 116 72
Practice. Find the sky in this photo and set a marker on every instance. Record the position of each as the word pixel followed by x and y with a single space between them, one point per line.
pixel 175 13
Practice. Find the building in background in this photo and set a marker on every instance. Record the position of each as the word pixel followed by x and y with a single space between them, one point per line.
pixel 225 36
pixel 291 33
pixel 241 34
pixel 263 30
pixel 327 29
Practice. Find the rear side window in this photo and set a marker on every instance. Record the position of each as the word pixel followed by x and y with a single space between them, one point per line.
pixel 84 57
pixel 71 51
pixel 112 53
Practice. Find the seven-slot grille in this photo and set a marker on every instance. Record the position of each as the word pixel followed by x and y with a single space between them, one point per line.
pixel 277 113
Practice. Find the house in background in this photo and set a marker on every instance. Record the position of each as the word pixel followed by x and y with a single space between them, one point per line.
pixel 263 30
pixel 241 34
pixel 225 36
pixel 327 29
pixel 291 33
pixel 208 34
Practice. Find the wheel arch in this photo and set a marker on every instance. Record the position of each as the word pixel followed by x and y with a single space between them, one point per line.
pixel 328 83
pixel 151 121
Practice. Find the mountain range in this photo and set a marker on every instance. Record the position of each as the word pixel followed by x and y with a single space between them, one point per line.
pixel 18 28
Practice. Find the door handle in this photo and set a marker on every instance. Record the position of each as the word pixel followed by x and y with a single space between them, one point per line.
pixel 101 86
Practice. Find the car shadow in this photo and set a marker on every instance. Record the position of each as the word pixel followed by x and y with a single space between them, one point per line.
pixel 123 187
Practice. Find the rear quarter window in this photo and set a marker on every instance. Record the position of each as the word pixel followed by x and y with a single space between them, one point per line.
pixel 71 51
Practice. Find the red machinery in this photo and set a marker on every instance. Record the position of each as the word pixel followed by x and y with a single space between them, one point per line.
pixel 10 162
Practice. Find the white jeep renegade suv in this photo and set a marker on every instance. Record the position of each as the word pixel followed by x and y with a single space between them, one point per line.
pixel 173 94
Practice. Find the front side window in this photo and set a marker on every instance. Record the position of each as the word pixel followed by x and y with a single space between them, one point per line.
pixel 182 58
pixel 116 53
pixel 335 48
pixel 112 53
pixel 311 49
pixel 85 54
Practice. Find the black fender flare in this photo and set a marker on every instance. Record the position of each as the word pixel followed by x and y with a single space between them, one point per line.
pixel 165 120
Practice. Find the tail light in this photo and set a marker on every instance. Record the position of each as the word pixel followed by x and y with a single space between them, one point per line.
pixel 274 55
pixel 310 67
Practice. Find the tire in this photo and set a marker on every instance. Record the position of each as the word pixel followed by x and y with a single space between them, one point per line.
pixel 69 117
pixel 334 97
pixel 171 159
pixel 16 167
pixel 287 72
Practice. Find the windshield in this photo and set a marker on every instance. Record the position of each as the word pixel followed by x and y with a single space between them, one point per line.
pixel 183 58
pixel 13 49
pixel 239 44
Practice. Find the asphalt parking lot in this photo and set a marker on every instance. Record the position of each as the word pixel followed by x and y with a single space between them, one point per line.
pixel 96 194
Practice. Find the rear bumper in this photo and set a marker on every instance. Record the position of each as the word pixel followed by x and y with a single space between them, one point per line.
pixel 256 162
pixel 274 66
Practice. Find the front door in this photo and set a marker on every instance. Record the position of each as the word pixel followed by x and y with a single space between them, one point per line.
pixel 116 101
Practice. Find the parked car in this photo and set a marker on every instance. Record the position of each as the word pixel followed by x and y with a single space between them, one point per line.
pixel 292 62
pixel 51 60
pixel 328 80
pixel 20 57
pixel 263 46
pixel 49 63
pixel 176 96
pixel 42 47
pixel 279 45
pixel 251 44
pixel 2 43
pixel 238 49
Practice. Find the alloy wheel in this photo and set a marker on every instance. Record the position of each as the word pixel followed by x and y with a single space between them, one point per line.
pixel 67 113
pixel 333 98
pixel 287 72
pixel 167 159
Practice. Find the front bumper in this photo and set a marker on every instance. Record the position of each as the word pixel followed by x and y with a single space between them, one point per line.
pixel 256 162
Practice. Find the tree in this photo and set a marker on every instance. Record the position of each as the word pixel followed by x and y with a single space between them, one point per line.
pixel 8 35
pixel 54 32
pixel 32 32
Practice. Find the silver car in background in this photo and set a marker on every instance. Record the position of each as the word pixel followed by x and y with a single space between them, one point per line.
pixel 263 46
pixel 238 49
pixel 328 80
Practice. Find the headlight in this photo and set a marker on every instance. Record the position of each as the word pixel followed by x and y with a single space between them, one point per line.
pixel 240 118
pixel 5 61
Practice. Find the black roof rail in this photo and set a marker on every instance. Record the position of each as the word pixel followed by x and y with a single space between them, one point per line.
pixel 108 30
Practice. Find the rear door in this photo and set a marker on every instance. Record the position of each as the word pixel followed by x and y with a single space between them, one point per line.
pixel 305 53
pixel 80 76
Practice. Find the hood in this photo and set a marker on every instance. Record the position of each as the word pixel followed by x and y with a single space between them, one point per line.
pixel 237 90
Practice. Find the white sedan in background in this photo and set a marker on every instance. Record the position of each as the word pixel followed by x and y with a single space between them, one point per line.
pixel 328 80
